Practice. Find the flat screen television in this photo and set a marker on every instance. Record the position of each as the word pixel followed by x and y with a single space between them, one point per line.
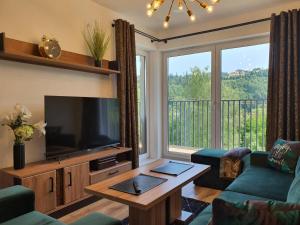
pixel 80 124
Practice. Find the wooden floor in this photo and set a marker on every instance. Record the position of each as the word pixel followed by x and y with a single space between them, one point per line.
pixel 120 211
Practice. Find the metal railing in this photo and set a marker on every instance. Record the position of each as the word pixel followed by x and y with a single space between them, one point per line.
pixel 243 123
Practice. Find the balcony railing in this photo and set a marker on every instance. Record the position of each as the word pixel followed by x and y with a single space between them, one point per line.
pixel 243 124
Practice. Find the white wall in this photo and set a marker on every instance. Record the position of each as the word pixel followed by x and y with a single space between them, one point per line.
pixel 226 35
pixel 28 20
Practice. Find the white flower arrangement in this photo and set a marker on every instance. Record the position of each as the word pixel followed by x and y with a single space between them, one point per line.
pixel 22 129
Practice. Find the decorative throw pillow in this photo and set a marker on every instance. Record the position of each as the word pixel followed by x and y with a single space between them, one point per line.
pixel 284 155
pixel 255 212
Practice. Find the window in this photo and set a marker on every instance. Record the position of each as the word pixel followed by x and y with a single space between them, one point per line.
pixel 189 101
pixel 244 88
pixel 141 92
pixel 217 97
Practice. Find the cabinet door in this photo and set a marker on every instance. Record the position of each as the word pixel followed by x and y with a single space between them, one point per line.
pixel 44 186
pixel 76 178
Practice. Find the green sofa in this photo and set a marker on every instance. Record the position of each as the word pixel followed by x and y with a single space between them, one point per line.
pixel 17 208
pixel 258 182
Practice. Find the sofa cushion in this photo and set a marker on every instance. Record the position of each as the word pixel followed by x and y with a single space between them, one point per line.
pixel 263 182
pixel 297 171
pixel 236 197
pixel 294 192
pixel 284 155
pixel 97 219
pixel 205 216
pixel 255 212
pixel 10 199
pixel 32 218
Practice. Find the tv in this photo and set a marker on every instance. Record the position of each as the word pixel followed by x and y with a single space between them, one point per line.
pixel 80 124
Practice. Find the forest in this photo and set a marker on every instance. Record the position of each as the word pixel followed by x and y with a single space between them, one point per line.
pixel 243 108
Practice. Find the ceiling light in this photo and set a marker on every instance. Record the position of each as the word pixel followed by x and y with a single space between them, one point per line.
pixel 156 4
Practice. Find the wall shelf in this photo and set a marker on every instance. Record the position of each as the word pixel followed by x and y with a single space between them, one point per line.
pixel 24 52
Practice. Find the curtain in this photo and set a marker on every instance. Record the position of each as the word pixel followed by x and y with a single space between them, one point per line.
pixel 127 87
pixel 283 118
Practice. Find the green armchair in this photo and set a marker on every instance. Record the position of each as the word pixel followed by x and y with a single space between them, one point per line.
pixel 17 207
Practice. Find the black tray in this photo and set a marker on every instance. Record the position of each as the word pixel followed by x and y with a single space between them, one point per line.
pixel 173 168
pixel 142 182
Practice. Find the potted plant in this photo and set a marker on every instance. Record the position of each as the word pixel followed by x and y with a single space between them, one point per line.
pixel 23 131
pixel 97 41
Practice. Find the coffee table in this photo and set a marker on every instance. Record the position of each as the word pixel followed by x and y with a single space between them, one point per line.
pixel 159 206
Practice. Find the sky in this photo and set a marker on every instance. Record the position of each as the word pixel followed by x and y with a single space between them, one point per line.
pixel 246 58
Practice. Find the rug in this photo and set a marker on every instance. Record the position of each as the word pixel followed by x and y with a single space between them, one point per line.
pixel 188 204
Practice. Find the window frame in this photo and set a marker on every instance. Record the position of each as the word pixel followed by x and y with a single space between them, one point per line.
pixel 145 54
pixel 216 64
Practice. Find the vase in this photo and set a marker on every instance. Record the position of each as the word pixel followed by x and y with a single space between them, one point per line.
pixel 98 63
pixel 19 156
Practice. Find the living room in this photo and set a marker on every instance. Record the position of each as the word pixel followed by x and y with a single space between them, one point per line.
pixel 155 112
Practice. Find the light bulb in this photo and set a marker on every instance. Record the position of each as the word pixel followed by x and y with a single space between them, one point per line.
pixel 150 12
pixel 180 6
pixel 166 24
pixel 191 15
pixel 215 1
pixel 156 4
pixel 209 8
pixel 149 6
pixel 192 18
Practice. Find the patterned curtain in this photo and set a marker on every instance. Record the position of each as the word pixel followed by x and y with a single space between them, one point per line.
pixel 127 86
pixel 283 119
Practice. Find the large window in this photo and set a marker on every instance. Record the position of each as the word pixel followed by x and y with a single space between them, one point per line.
pixel 189 101
pixel 217 97
pixel 141 91
pixel 244 92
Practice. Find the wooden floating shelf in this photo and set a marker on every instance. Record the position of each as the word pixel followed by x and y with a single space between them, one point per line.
pixel 24 52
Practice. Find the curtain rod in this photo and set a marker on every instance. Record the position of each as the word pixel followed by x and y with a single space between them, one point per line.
pixel 165 40
pixel 152 38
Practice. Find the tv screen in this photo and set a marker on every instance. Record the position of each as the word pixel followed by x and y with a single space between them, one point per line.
pixel 78 124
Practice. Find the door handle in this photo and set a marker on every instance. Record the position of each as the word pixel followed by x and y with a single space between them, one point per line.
pixel 51 184
pixel 114 172
pixel 70 179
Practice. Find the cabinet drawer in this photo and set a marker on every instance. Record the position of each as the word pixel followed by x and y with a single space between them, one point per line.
pixel 101 175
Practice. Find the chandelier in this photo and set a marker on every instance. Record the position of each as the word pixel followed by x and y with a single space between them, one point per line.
pixel 156 4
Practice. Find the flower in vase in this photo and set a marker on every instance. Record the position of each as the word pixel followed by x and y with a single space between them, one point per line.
pixel 40 127
pixel 24 133
pixel 8 119
pixel 23 111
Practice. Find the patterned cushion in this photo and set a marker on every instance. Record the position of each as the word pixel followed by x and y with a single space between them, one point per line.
pixel 284 155
pixel 255 212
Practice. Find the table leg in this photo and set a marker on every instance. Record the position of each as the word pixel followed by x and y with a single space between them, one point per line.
pixel 176 215
pixel 175 206
pixel 154 216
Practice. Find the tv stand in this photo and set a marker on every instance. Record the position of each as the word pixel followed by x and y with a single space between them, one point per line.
pixel 58 184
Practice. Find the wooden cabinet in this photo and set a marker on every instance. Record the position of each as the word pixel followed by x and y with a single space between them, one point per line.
pixel 58 184
pixel 44 186
pixel 76 178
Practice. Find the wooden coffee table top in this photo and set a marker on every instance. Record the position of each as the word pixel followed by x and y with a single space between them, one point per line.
pixel 155 195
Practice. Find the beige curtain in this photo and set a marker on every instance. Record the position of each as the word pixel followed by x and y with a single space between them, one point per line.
pixel 283 119
pixel 127 86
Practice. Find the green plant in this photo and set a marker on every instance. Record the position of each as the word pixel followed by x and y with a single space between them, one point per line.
pixel 96 40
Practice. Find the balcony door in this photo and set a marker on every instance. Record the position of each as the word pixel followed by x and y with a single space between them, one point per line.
pixel 244 88
pixel 216 97
pixel 190 93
